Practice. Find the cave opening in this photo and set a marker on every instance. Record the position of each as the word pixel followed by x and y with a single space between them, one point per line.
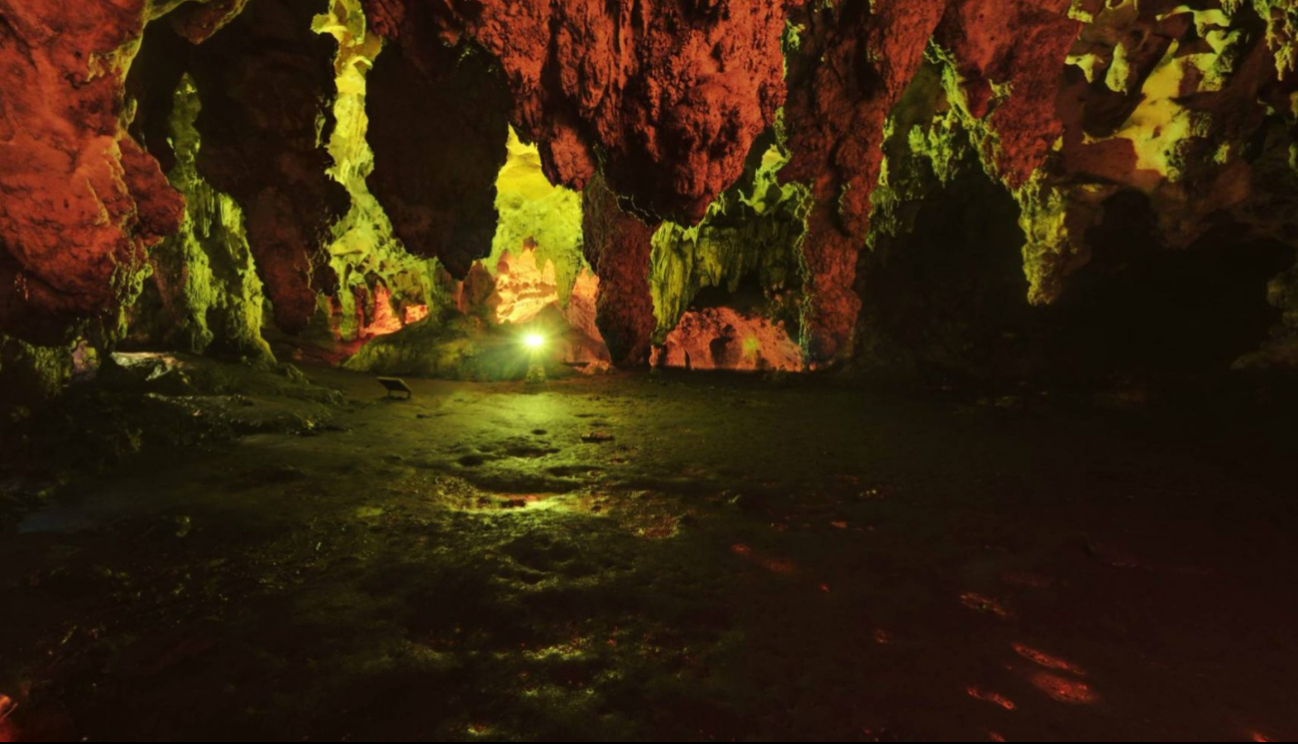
pixel 690 370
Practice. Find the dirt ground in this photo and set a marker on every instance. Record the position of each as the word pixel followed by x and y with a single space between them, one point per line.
pixel 694 557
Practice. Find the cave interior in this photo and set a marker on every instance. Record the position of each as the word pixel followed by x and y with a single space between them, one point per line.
pixel 865 370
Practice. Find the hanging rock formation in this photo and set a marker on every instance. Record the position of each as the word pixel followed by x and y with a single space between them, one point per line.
pixel 438 125
pixel 80 202
pixel 265 79
pixel 668 95
pixel 848 65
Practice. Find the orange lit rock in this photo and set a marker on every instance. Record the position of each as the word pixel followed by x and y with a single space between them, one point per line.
pixel 670 93
pixel 378 318
pixel 79 201
pixel 721 338
pixel 987 696
pixel 7 707
pixel 1020 45
pixel 473 295
pixel 1065 690
pixel 527 295
pixel 414 313
pixel 1046 660
pixel 584 347
pixel 523 289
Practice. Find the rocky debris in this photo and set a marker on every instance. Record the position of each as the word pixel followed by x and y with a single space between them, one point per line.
pixel 149 403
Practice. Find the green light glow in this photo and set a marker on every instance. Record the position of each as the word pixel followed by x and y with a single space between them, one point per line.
pixel 534 341
pixel 363 251
pixel 212 296
pixel 531 207
pixel 753 230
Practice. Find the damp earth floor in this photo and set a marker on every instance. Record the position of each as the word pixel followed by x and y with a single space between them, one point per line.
pixel 697 557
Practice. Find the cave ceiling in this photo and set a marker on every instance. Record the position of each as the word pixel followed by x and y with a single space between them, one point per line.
pixel 654 107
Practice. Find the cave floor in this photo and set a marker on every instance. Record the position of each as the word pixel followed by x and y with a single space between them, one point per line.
pixel 668 557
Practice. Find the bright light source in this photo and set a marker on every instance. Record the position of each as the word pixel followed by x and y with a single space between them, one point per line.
pixel 534 340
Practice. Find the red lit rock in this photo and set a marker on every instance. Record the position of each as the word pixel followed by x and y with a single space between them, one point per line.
pixel 1065 690
pixel 79 202
pixel 1020 45
pixel 671 93
pixel 854 62
pixel 265 80
pixel 721 338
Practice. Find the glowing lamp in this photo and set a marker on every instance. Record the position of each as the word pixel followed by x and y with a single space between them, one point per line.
pixel 534 341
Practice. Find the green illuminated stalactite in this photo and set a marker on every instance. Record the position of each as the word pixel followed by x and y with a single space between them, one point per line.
pixel 925 146
pixel 363 252
pixel 1281 18
pixel 744 233
pixel 207 283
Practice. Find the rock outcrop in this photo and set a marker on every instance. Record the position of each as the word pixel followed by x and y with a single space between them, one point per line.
pixel 618 247
pixel 80 201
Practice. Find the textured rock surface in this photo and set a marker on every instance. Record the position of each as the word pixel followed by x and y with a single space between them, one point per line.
pixel 1064 104
pixel 80 202
pixel 377 276
pixel 208 296
pixel 1084 112
pixel 531 209
pixel 751 238
pixel 438 128
pixel 618 246
pixel 848 65
pixel 721 338
pixel 668 95
pixel 265 78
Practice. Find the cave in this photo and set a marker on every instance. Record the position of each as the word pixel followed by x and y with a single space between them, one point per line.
pixel 726 370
